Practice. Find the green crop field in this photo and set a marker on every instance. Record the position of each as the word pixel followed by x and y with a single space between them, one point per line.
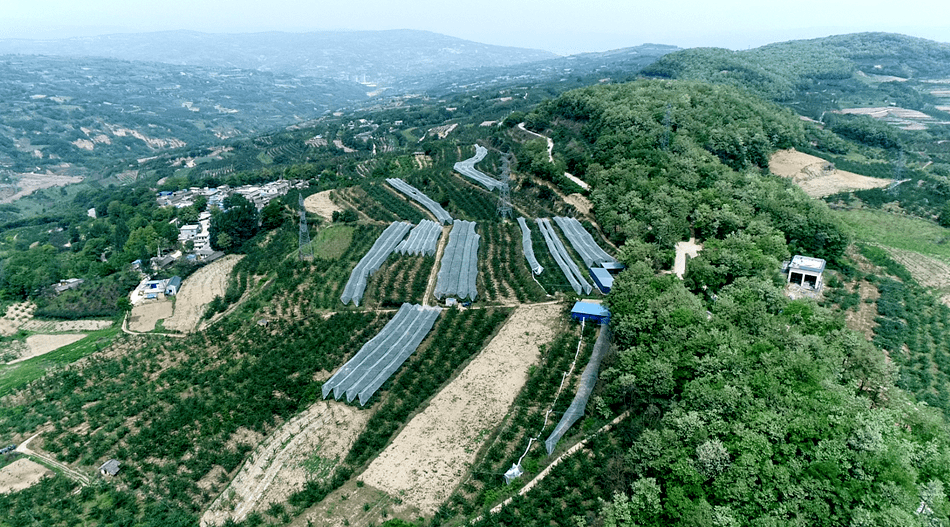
pixel 900 232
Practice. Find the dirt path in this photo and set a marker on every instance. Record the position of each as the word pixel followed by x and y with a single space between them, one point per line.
pixel 817 177
pixel 21 474
pixel 309 446
pixel 197 291
pixel 581 183
pixel 79 477
pixel 321 205
pixel 434 274
pixel 537 479
pixel 431 455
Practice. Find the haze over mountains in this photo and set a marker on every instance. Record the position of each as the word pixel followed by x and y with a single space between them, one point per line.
pixel 374 56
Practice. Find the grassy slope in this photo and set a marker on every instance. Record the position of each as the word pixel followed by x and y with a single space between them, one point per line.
pixel 20 374
pixel 900 232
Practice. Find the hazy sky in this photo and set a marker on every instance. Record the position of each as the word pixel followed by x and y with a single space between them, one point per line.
pixel 562 26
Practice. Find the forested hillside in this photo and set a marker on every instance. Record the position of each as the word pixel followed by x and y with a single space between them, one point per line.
pixel 749 408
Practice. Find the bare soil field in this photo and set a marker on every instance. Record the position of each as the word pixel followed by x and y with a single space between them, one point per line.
pixel 21 474
pixel 321 205
pixel 41 344
pixel 145 315
pixel 928 271
pixel 815 177
pixel 16 316
pixel 26 184
pixel 197 291
pixel 65 326
pixel 431 455
pixel 309 446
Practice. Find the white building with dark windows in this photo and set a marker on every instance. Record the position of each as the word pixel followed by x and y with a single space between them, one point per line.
pixel 805 271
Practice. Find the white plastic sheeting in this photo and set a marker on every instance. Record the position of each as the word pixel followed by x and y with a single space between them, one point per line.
pixel 459 267
pixel 370 263
pixel 586 385
pixel 467 169
pixel 424 239
pixel 528 248
pixel 563 259
pixel 427 202
pixel 379 358
pixel 583 242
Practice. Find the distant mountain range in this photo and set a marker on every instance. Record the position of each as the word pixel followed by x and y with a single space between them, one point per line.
pixel 378 57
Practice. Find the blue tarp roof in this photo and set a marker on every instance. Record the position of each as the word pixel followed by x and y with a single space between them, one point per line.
pixel 602 276
pixel 590 308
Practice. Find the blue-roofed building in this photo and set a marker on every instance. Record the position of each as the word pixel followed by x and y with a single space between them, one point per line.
pixel 591 312
pixel 602 278
pixel 613 267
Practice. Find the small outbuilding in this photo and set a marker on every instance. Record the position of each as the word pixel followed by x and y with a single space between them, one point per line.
pixel 590 311
pixel 602 278
pixel 614 267
pixel 109 468
pixel 806 271
pixel 171 288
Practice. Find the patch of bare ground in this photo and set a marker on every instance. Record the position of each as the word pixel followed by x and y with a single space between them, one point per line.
pixel 21 474
pixel 356 505
pixel 197 291
pixel 65 326
pixel 27 184
pixel 42 344
pixel 862 319
pixel 431 455
pixel 422 161
pixel 16 316
pixel 582 204
pixel 322 205
pixel 817 177
pixel 308 447
pixel 928 271
pixel 146 314
pixel 684 249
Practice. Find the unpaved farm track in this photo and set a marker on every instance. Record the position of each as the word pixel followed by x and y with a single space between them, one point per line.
pixel 275 469
pixel 79 477
pixel 197 291
pixel 431 455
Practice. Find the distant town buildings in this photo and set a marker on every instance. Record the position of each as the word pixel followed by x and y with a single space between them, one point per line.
pixel 259 195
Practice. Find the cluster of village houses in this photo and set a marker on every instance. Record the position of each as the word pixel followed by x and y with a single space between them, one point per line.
pixel 199 234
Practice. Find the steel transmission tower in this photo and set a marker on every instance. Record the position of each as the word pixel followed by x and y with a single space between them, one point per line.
pixel 504 192
pixel 304 248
